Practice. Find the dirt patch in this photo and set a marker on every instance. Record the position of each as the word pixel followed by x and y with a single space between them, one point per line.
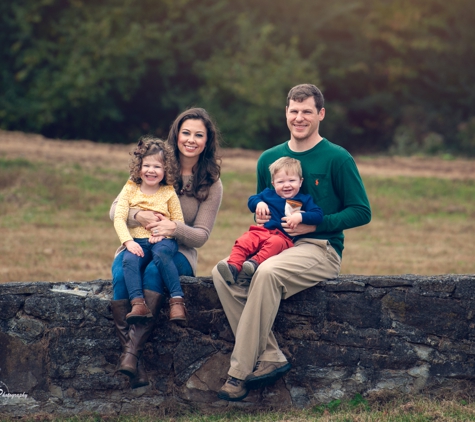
pixel 87 153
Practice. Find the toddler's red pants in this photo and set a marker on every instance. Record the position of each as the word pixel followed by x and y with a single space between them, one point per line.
pixel 258 244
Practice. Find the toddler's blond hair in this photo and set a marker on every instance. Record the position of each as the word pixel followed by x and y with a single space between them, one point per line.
pixel 288 164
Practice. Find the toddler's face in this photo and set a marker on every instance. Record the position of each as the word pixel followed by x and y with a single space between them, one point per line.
pixel 152 172
pixel 286 185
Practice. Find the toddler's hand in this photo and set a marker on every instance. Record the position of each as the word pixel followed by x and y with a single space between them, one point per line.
pixel 262 213
pixel 155 239
pixel 293 220
pixel 262 210
pixel 134 247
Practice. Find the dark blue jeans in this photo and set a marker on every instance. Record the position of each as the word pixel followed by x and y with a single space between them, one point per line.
pixel 159 254
pixel 152 279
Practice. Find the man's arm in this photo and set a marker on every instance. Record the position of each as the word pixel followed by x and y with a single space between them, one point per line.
pixel 356 210
pixel 263 180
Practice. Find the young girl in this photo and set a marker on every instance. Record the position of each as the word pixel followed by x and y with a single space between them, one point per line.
pixel 150 187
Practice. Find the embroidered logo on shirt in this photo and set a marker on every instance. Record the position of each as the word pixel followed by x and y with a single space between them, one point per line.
pixel 316 182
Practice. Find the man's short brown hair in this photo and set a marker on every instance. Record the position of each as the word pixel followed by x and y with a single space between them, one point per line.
pixel 302 92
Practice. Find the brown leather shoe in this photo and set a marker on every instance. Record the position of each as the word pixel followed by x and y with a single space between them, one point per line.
pixel 140 311
pixel 177 309
pixel 128 364
pixel 138 334
pixel 266 373
pixel 120 308
pixel 233 390
pixel 141 377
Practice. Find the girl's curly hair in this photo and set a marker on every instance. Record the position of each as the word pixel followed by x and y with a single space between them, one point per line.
pixel 147 146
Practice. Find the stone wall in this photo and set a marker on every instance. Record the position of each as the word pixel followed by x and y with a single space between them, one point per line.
pixel 357 334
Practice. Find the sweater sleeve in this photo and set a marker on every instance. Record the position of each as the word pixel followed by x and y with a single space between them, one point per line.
pixel 196 236
pixel 120 216
pixel 174 208
pixel 313 214
pixel 261 175
pixel 131 221
pixel 253 201
pixel 356 210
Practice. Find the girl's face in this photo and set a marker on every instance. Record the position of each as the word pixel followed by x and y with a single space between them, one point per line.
pixel 192 138
pixel 152 171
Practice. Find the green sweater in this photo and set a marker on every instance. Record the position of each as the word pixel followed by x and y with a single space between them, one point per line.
pixel 332 179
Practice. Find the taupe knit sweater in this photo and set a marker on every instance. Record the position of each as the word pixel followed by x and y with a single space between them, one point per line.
pixel 199 221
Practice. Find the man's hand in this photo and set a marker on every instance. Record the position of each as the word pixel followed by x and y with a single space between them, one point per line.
pixel 299 230
pixel 134 247
pixel 293 220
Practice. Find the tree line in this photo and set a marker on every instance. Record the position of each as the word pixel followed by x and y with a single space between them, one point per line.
pixel 397 75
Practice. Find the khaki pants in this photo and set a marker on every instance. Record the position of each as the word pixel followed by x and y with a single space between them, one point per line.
pixel 251 310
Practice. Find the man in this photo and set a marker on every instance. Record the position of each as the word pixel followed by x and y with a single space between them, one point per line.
pixel 331 177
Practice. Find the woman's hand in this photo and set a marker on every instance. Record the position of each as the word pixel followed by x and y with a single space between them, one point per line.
pixel 146 218
pixel 162 227
pixel 298 230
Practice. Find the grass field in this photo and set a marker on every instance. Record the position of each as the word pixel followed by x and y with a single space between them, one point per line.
pixel 55 197
pixel 358 409
pixel 54 202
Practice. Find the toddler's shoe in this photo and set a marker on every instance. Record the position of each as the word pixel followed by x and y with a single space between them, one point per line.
pixel 140 312
pixel 228 271
pixel 177 309
pixel 250 267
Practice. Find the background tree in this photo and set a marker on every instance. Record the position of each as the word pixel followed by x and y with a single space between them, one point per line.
pixel 397 75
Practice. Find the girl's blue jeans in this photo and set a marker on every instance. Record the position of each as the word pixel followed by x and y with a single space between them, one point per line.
pixel 158 270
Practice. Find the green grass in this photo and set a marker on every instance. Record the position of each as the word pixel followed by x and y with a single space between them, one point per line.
pixel 358 409
pixel 413 199
pixel 407 198
pixel 74 202
pixel 35 193
pixel 36 190
pixel 423 224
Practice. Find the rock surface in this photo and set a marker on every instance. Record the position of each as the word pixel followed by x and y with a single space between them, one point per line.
pixel 357 334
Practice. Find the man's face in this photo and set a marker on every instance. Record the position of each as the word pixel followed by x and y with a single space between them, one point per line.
pixel 303 119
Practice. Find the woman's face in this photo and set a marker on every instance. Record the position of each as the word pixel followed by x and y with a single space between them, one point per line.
pixel 192 138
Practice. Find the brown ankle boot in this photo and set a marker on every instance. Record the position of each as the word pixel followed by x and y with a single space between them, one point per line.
pixel 177 309
pixel 140 311
pixel 141 377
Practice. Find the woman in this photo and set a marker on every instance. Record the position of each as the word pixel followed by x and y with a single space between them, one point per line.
pixel 194 138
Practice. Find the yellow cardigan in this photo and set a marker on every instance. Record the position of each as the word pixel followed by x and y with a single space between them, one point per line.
pixel 165 201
